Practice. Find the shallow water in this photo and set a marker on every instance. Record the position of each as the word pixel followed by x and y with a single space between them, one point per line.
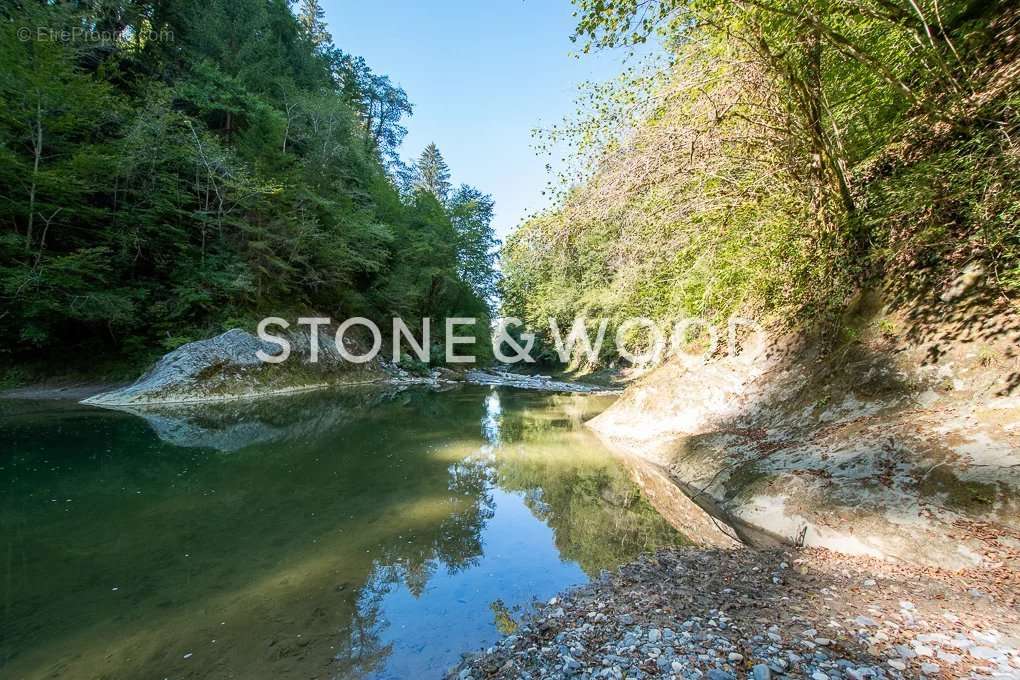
pixel 362 533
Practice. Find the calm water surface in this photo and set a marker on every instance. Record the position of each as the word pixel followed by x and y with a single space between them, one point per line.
pixel 353 534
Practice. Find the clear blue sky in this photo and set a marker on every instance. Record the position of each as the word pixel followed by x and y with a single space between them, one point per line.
pixel 481 74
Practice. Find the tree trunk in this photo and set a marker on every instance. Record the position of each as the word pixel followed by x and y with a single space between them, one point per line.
pixel 37 139
pixel 813 109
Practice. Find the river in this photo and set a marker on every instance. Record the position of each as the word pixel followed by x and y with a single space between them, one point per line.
pixel 362 533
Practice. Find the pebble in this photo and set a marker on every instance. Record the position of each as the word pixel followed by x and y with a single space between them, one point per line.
pixel 986 653
pixel 692 615
pixel 948 657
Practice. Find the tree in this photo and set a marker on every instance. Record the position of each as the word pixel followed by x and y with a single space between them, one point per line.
pixel 313 22
pixel 380 103
pixel 156 191
pixel 384 105
pixel 431 174
pixel 858 57
pixel 471 212
pixel 782 155
pixel 48 108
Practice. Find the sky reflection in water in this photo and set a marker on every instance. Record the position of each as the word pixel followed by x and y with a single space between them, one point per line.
pixel 363 533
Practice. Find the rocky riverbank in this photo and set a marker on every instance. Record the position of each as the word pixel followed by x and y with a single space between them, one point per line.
pixel 891 452
pixel 728 614
pixel 899 439
pixel 531 382
pixel 228 367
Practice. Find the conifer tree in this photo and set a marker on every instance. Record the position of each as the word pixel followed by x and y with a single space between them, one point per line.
pixel 313 19
pixel 432 175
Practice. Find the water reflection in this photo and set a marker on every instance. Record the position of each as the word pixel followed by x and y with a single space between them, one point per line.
pixel 234 425
pixel 369 535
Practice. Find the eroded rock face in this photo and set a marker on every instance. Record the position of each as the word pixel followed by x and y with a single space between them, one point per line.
pixel 901 443
pixel 187 365
pixel 228 367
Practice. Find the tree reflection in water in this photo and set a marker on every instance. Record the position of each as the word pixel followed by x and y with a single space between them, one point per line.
pixel 359 533
pixel 536 447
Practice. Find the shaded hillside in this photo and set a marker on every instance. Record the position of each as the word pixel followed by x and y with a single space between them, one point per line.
pixel 170 170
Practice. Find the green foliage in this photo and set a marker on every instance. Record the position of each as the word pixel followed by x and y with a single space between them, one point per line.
pixel 471 212
pixel 431 174
pixel 955 203
pixel 235 164
pixel 413 365
pixel 779 156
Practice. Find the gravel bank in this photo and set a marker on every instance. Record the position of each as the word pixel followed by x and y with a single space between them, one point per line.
pixel 726 614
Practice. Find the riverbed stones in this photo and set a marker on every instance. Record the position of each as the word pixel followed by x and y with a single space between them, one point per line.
pixel 698 614
pixel 529 382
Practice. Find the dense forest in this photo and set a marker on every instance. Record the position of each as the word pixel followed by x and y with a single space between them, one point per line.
pixel 780 156
pixel 173 168
pixel 169 169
